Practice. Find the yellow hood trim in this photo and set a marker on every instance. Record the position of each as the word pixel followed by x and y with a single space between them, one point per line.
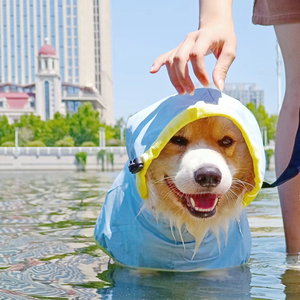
pixel 189 115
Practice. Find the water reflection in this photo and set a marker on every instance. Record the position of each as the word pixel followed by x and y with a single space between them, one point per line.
pixel 291 281
pixel 47 249
pixel 132 284
pixel 47 221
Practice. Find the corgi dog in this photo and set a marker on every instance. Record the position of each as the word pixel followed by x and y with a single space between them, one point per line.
pixel 195 162
pixel 200 177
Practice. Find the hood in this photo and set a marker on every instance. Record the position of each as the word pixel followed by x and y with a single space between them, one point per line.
pixel 149 131
pixel 133 236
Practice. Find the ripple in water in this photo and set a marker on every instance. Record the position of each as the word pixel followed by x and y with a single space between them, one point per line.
pixel 47 249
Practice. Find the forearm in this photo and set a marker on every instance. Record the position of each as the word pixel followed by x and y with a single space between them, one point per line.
pixel 213 10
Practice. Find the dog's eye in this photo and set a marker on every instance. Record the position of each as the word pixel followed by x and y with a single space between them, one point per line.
pixel 179 140
pixel 225 142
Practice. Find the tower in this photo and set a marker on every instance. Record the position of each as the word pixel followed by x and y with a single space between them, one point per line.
pixel 48 84
pixel 79 31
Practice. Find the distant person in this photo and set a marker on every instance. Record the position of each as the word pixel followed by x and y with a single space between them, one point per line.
pixel 216 35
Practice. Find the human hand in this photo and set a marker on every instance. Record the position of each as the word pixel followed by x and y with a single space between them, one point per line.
pixel 215 37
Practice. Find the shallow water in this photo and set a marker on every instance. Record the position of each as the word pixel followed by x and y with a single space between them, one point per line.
pixel 47 250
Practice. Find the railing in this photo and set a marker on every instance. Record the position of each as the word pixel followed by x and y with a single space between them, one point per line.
pixel 59 151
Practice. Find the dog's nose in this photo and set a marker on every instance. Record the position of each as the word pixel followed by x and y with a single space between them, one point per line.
pixel 208 176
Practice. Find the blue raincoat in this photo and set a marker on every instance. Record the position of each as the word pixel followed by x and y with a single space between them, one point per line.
pixel 135 238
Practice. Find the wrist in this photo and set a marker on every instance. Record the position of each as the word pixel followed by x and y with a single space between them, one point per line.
pixel 215 12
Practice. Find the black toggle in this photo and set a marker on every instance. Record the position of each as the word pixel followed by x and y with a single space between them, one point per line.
pixel 136 165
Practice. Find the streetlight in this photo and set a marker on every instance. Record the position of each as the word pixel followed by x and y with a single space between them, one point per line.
pixel 101 137
pixel 122 133
pixel 16 137
pixel 264 133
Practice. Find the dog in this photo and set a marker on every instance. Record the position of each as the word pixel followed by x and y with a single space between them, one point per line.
pixel 200 177
pixel 194 163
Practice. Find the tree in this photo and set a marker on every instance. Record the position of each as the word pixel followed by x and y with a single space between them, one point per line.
pixel 272 127
pixel 35 124
pixel 67 141
pixel 84 125
pixel 80 127
pixel 111 132
pixel 57 129
pixel 120 123
pixel 264 120
pixel 7 131
pixel 26 135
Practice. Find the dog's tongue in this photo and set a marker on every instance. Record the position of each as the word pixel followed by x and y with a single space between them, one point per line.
pixel 202 202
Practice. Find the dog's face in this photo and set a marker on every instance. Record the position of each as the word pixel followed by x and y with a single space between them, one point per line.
pixel 201 174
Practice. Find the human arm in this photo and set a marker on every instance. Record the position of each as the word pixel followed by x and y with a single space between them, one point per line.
pixel 215 35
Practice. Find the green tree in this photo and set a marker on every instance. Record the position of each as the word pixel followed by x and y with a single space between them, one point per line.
pixel 57 129
pixel 7 131
pixel 26 135
pixel 8 144
pixel 79 127
pixel 111 132
pixel 35 144
pixel 264 120
pixel 88 144
pixel 272 127
pixel 35 124
pixel 84 125
pixel 67 141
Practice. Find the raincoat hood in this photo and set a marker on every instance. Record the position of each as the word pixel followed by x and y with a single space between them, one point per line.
pixel 133 236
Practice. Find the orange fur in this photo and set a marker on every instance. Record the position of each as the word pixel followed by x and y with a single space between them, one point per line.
pixel 203 133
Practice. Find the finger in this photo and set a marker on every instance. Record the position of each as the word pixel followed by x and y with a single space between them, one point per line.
pixel 226 58
pixel 181 59
pixel 173 76
pixel 159 62
pixel 197 54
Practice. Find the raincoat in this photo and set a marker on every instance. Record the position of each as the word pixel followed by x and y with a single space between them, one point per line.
pixel 135 238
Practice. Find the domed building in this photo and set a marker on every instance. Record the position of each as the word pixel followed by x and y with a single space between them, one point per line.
pixel 74 65
pixel 47 95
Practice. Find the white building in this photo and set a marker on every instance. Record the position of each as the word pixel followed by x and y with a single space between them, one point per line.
pixel 47 95
pixel 245 92
pixel 80 33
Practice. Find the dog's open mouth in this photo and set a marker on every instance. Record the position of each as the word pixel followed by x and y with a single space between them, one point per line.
pixel 199 205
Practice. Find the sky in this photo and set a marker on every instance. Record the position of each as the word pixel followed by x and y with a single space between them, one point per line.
pixel 142 30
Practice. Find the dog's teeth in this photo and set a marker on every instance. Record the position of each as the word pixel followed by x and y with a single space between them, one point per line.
pixel 202 209
pixel 193 202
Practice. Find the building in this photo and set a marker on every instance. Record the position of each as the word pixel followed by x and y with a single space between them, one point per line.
pixel 80 37
pixel 47 95
pixel 245 92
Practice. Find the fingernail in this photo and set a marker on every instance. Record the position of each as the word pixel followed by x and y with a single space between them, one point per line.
pixel 221 84
pixel 180 91
pixel 192 93
pixel 152 68
pixel 205 84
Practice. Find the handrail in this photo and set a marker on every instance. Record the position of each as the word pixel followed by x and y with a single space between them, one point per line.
pixel 59 151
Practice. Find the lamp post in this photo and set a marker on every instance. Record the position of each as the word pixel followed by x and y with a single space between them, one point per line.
pixel 16 138
pixel 101 137
pixel 264 133
pixel 122 133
